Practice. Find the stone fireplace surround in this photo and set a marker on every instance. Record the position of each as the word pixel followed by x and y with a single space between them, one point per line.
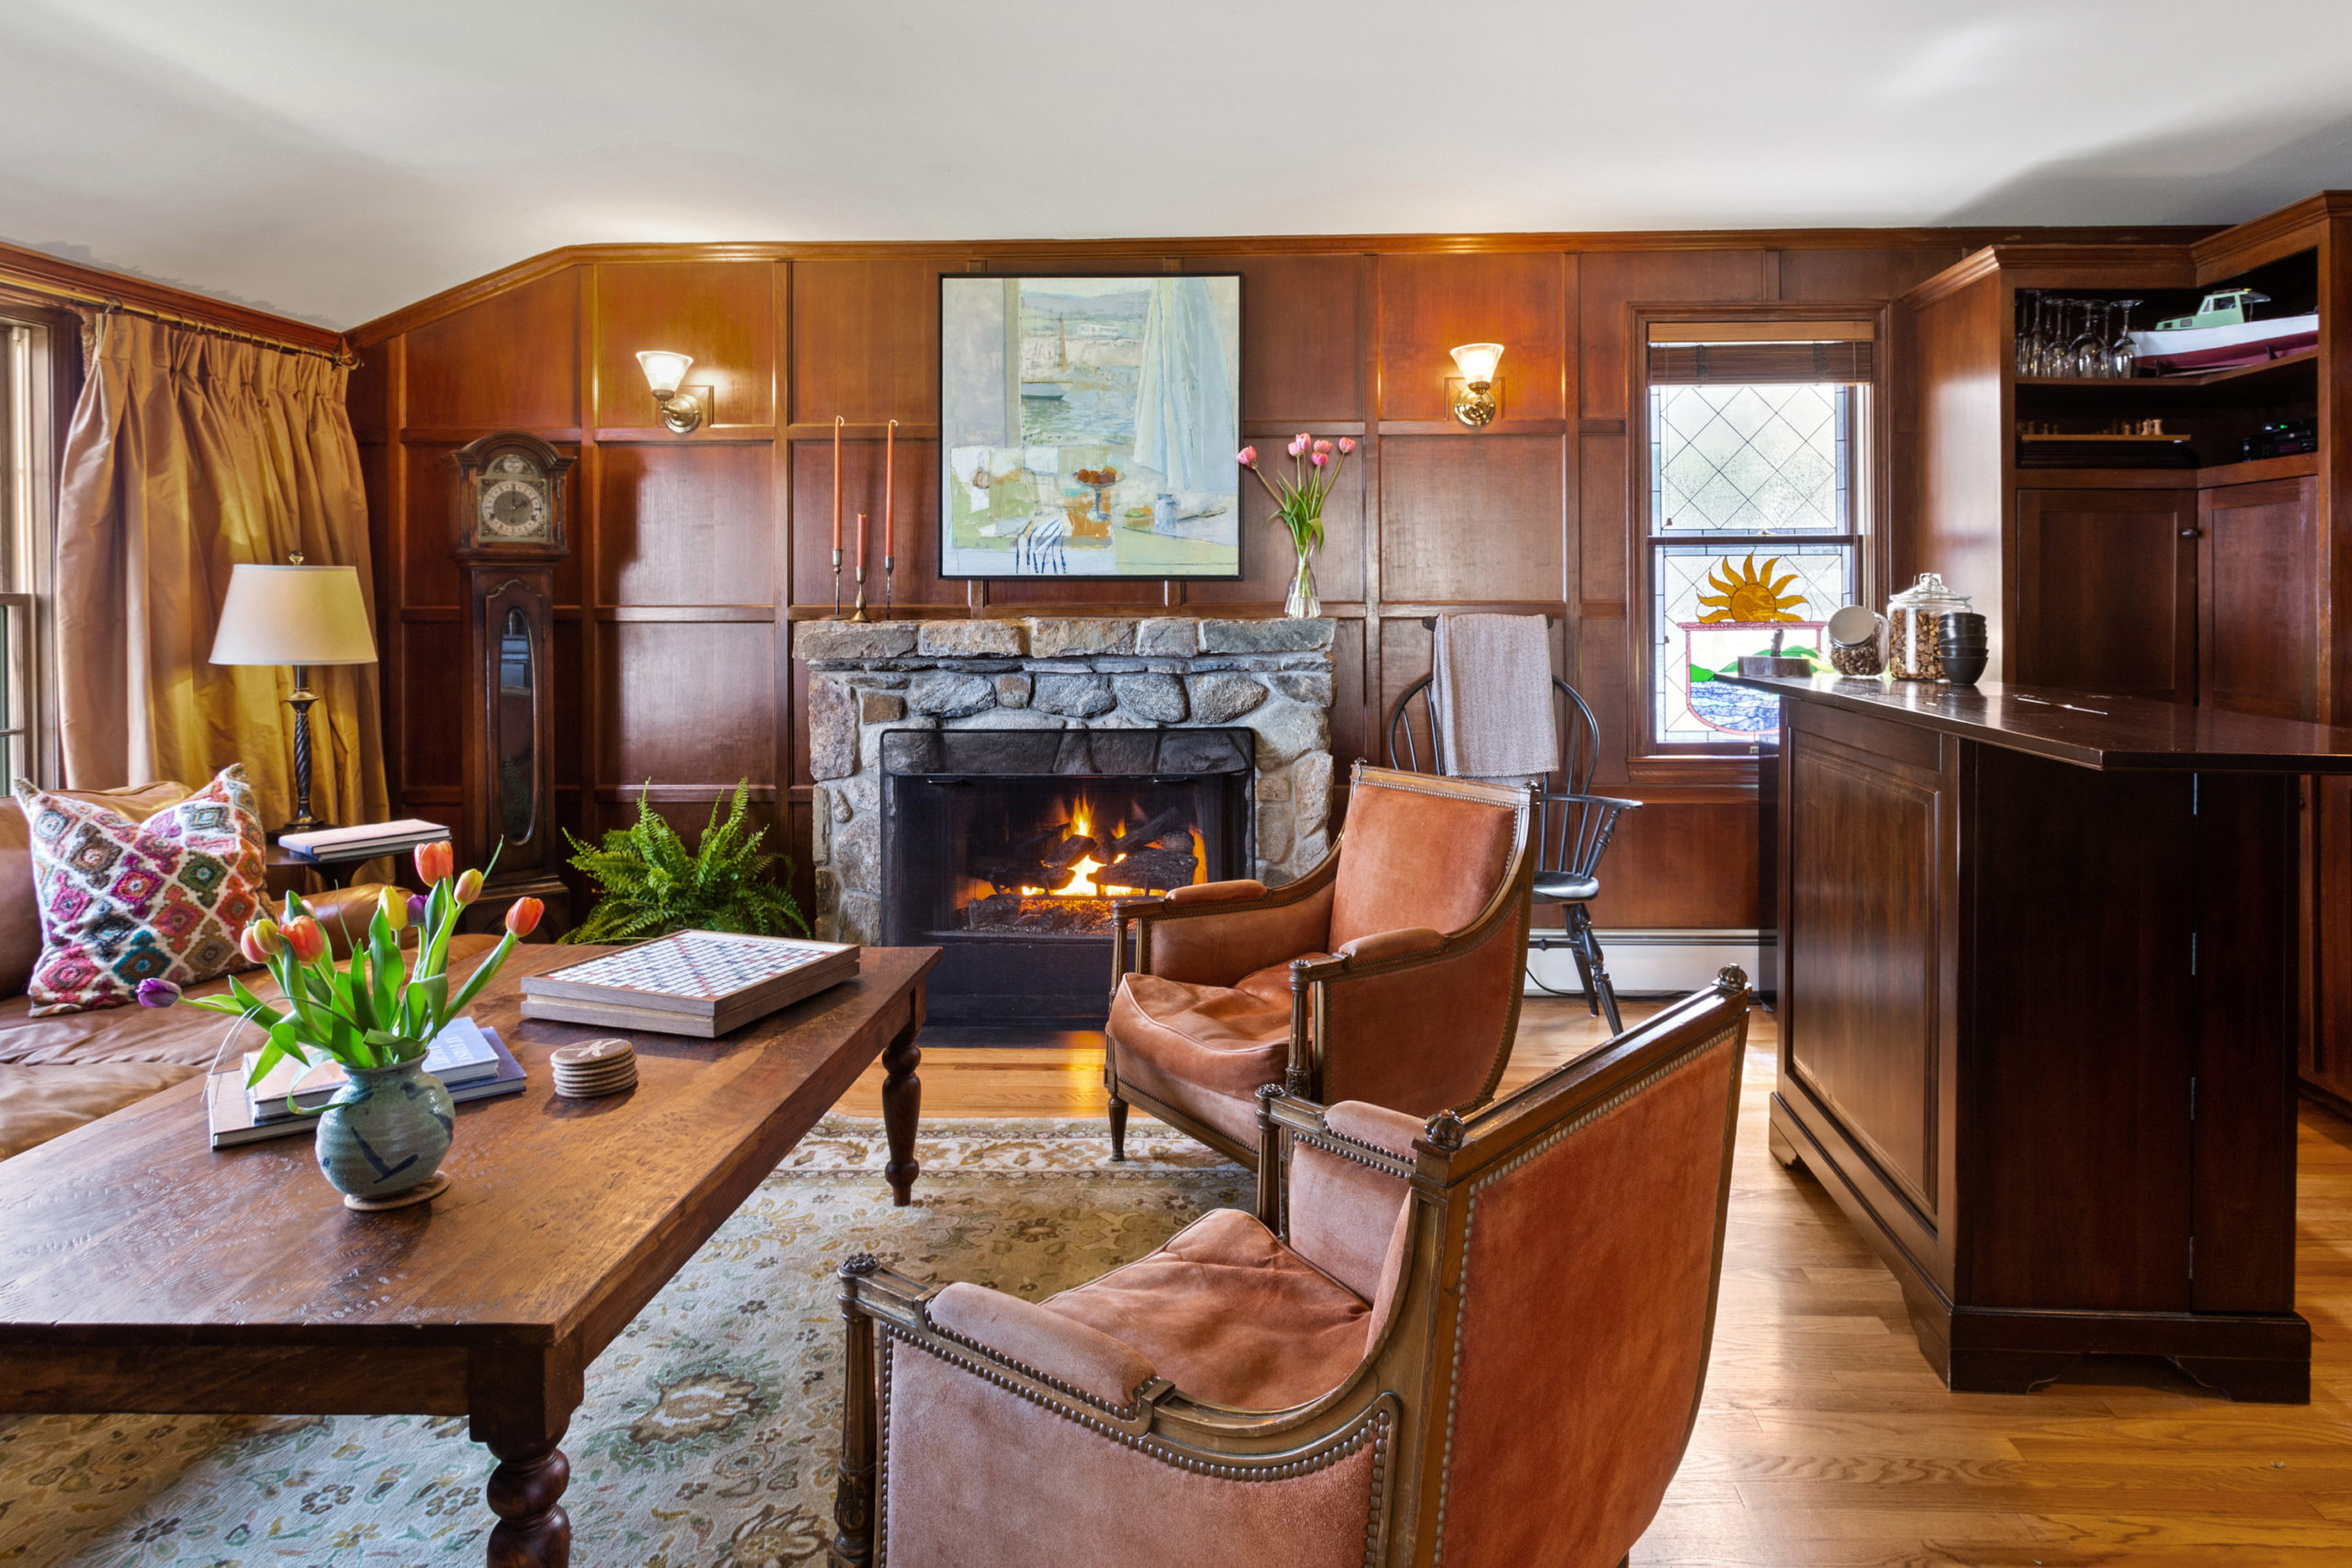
pixel 1058 672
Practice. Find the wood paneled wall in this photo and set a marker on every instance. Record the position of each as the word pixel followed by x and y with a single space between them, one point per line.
pixel 693 552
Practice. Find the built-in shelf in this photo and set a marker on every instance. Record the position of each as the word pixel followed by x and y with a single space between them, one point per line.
pixel 2253 470
pixel 2081 435
pixel 2141 383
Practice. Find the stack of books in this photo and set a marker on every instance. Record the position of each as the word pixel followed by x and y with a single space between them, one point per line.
pixel 700 982
pixel 364 841
pixel 471 1062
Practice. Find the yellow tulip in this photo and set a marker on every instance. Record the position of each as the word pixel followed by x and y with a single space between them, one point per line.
pixel 393 902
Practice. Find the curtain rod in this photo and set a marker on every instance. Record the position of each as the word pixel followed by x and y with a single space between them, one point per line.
pixel 109 304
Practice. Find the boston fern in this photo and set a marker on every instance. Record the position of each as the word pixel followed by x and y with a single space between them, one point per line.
pixel 648 884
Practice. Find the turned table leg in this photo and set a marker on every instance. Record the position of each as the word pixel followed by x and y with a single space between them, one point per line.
pixel 901 1105
pixel 525 1492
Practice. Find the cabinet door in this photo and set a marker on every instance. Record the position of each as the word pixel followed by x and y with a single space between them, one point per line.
pixel 2107 597
pixel 2261 584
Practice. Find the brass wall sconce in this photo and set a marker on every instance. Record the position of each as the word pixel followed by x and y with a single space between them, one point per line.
pixel 682 409
pixel 1475 404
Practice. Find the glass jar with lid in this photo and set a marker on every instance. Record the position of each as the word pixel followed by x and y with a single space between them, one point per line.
pixel 1911 623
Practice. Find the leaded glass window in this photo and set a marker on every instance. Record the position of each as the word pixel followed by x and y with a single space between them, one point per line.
pixel 1753 523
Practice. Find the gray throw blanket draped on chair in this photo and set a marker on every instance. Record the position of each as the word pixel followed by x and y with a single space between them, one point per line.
pixel 1490 698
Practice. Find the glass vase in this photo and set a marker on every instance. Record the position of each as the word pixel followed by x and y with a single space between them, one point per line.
pixel 1304 604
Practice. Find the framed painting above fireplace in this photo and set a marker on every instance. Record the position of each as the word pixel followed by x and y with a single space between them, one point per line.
pixel 1088 426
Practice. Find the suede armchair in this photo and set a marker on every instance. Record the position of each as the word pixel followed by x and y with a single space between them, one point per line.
pixel 1355 1375
pixel 1389 974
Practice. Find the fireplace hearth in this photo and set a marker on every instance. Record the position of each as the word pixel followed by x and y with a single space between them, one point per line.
pixel 1007 848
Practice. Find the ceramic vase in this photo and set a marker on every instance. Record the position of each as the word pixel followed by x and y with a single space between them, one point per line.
pixel 1304 604
pixel 385 1132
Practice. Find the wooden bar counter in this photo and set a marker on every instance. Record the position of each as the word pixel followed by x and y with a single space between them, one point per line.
pixel 2035 975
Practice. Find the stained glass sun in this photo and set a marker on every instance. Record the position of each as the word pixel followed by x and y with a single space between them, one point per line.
pixel 1750 596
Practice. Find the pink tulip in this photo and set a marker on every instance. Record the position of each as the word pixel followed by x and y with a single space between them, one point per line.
pixel 1346 445
pixel 1322 445
pixel 1247 457
pixel 1297 448
pixel 260 941
pixel 1305 439
pixel 1320 459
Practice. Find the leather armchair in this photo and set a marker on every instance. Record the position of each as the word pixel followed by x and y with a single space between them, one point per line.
pixel 1390 974
pixel 1356 1374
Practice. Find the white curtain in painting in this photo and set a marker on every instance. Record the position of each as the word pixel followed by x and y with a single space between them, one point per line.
pixel 1185 414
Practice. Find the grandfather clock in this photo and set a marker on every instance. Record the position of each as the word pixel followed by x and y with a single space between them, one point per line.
pixel 512 530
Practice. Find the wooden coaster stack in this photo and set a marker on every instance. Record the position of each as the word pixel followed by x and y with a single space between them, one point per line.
pixel 594 1067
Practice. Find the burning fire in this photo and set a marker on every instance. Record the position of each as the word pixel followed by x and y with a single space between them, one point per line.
pixel 1081 826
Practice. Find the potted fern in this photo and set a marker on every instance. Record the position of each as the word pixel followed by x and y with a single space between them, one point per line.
pixel 648 884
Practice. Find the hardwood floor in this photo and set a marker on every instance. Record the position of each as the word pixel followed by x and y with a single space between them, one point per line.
pixel 1826 1441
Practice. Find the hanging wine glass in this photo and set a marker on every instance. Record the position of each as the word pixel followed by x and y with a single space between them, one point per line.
pixel 2123 358
pixel 2087 352
pixel 2028 331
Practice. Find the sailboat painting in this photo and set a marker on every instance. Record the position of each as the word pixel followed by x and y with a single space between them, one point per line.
pixel 1087 426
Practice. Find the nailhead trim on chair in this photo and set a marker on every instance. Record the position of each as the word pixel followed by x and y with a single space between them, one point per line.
pixel 1347 1148
pixel 1689 1058
pixel 1127 1411
pixel 1376 1430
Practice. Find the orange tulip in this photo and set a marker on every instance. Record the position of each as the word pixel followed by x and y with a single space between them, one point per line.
pixel 522 915
pixel 436 861
pixel 304 937
pixel 469 885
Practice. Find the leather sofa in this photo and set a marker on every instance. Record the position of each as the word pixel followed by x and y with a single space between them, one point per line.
pixel 58 1072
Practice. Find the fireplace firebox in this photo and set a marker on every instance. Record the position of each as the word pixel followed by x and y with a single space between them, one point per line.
pixel 1005 847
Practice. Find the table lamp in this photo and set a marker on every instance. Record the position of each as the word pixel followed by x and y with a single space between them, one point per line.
pixel 301 615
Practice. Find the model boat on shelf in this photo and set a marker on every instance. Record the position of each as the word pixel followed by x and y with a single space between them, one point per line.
pixel 2220 337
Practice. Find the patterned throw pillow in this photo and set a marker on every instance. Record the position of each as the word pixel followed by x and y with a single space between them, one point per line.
pixel 124 901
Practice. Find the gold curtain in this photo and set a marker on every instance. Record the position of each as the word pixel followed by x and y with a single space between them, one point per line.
pixel 189 454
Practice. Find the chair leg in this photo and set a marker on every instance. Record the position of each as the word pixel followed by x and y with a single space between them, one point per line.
pixel 1602 987
pixel 1118 1128
pixel 1584 973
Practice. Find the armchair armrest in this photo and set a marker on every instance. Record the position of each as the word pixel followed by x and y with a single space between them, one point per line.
pixel 1405 942
pixel 1217 892
pixel 1059 1350
pixel 344 913
pixel 1216 933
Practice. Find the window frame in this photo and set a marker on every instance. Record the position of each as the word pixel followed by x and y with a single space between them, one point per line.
pixel 48 368
pixel 1655 762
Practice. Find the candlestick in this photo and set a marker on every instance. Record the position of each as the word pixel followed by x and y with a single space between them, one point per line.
pixel 889 570
pixel 889 499
pixel 837 516
pixel 858 614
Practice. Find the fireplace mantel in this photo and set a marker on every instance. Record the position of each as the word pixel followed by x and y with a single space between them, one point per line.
pixel 1273 677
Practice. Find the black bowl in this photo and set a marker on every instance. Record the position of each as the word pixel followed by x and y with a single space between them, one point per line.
pixel 1963 671
pixel 1960 620
pixel 1949 647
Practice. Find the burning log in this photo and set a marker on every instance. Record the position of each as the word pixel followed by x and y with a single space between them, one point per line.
pixel 1150 870
pixel 1046 860
pixel 1169 822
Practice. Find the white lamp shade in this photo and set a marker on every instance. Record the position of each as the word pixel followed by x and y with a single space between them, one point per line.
pixel 293 614
pixel 664 372
pixel 1478 360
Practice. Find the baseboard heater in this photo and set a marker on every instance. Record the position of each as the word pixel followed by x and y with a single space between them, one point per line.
pixel 1648 962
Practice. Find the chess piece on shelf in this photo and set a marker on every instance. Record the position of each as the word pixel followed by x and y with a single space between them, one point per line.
pixel 594 1067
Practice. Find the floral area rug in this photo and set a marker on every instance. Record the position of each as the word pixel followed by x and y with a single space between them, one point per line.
pixel 711 1424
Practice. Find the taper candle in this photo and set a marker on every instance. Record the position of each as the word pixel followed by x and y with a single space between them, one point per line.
pixel 836 484
pixel 861 545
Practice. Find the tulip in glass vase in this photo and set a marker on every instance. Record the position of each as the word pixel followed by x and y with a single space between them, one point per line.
pixel 381 1138
pixel 1298 506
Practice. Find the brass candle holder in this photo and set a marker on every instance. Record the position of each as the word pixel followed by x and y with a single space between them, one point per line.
pixel 837 582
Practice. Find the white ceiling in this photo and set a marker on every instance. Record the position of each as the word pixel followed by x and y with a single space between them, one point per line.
pixel 336 161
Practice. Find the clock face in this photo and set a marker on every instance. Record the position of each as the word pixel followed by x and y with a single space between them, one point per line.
pixel 514 504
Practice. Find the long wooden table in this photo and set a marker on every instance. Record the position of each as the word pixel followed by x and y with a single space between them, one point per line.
pixel 141 1271
pixel 2036 981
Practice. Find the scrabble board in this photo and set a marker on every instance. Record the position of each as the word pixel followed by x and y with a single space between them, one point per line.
pixel 701 983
